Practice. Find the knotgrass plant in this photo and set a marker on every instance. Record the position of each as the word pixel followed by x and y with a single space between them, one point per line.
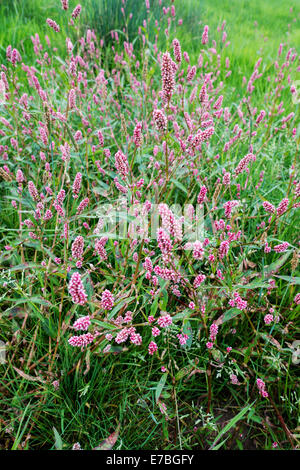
pixel 149 249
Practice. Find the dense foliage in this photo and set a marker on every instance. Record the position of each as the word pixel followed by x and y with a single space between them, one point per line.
pixel 149 234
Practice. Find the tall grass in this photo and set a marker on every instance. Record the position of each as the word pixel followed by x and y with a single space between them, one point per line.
pixel 253 27
pixel 100 388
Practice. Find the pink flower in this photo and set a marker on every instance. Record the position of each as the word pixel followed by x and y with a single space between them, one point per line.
pixel 205 35
pixel 164 321
pixel 169 223
pixel 202 194
pixel 76 185
pixel 72 98
pixel 53 25
pixel 100 138
pixel 213 331
pixel 198 250
pixel 61 196
pixel 226 178
pixel 160 120
pixel 136 339
pixel 223 249
pixel 33 191
pixel 239 302
pixel 82 206
pixel 267 248
pixel 48 215
pixel 260 117
pixel 177 50
pixel 282 207
pixel 82 323
pixel 77 445
pixel 81 341
pixel 128 317
pixel 220 275
pixel 155 331
pixel 65 4
pixel 163 241
pixel 76 289
pixel 137 135
pixel 228 206
pixel 78 136
pixel 234 379
pixel 281 247
pixel 202 136
pixel 182 338
pixel 268 207
pixel 121 164
pixel 76 11
pixel 65 150
pixel 152 348
pixel 268 319
pixel 244 163
pixel 77 247
pixel 191 74
pixel 107 300
pixel 211 258
pixel 218 103
pixel 198 280
pixel 261 388
pixel 122 336
pixel 148 264
pixel 209 345
pixel 19 176
pixel 55 384
pixel 99 248
pixel 168 69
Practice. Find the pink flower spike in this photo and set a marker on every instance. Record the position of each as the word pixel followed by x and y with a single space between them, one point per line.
pixel 53 25
pixel 76 289
pixel 152 348
pixel 82 323
pixel 107 300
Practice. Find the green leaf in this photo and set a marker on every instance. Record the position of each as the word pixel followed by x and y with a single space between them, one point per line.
pixel 154 306
pixel 110 441
pixel 231 424
pixel 254 285
pixel 228 315
pixel 120 305
pixel 104 325
pixel 277 264
pixel 184 314
pixel 179 186
pixel 160 386
pixel 187 330
pixel 291 279
pixel 58 441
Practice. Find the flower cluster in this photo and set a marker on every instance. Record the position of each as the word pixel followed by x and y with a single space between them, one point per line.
pixel 76 289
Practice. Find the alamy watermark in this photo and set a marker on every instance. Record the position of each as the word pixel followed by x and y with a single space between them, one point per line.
pixel 142 221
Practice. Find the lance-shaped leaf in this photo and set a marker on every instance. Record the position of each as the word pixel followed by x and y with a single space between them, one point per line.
pixel 228 315
pixel 110 441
